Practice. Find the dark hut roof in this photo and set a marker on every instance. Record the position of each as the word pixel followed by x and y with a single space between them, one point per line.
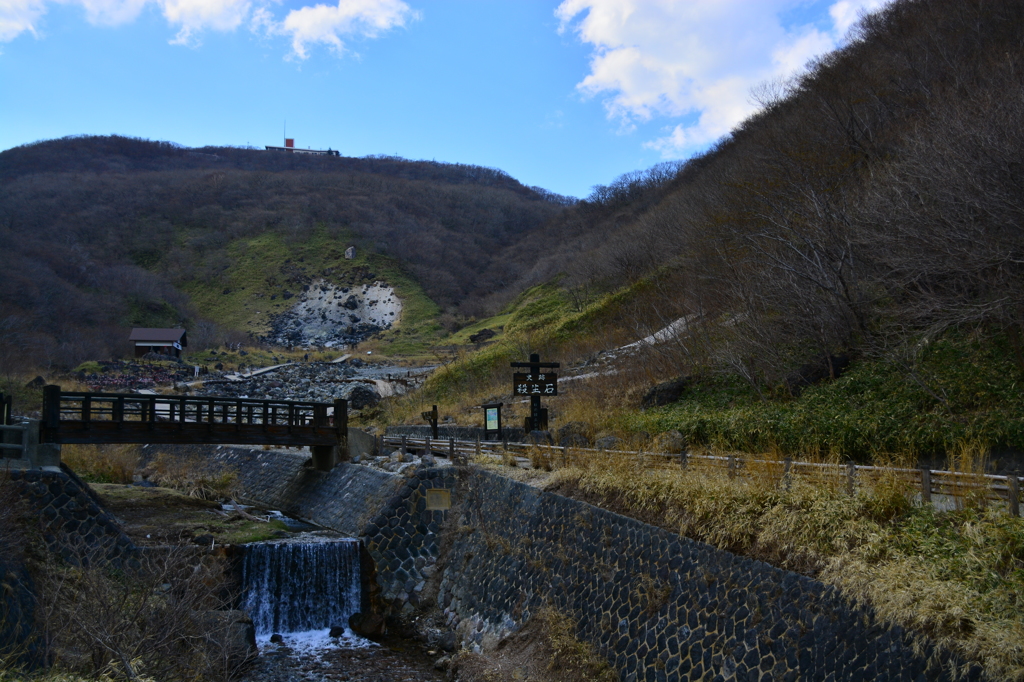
pixel 155 335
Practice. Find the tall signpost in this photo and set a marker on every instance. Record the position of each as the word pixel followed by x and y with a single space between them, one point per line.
pixel 536 382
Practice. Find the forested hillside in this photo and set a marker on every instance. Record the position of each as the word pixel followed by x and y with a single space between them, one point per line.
pixel 868 220
pixel 100 233
pixel 874 203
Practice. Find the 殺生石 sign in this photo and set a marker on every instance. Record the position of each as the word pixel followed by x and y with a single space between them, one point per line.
pixel 535 384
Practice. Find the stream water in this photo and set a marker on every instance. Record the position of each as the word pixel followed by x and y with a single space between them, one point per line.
pixel 295 591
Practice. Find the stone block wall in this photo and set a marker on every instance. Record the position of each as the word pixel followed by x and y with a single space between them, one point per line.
pixel 70 516
pixel 446 431
pixel 659 606
pixel 73 525
pixel 344 499
pixel 404 541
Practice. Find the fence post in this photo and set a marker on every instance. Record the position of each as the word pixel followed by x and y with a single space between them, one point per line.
pixel 451 449
pixel 732 466
pixel 1013 493
pixel 478 447
pixel 426 450
pixel 787 467
pixel 404 447
pixel 851 474
pixel 926 485
pixel 683 459
pixel 51 406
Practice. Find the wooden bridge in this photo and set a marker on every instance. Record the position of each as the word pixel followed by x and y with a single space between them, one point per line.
pixel 75 417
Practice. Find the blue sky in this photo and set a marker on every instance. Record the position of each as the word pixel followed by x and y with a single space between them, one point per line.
pixel 564 95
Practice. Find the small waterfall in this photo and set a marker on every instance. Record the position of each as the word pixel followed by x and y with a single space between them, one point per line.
pixel 300 586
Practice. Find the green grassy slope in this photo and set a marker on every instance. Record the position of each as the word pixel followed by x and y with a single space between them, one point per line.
pixel 265 268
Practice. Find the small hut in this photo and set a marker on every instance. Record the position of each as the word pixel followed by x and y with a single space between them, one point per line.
pixel 162 341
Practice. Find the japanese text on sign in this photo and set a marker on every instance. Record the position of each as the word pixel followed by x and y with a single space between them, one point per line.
pixel 535 384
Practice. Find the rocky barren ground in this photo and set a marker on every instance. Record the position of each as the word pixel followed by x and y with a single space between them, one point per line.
pixel 327 315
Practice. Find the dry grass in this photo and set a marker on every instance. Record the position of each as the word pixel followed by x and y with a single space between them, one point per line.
pixel 194 476
pixel 102 463
pixel 545 650
pixel 955 576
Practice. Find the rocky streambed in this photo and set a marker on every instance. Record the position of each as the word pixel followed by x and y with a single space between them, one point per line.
pixel 362 384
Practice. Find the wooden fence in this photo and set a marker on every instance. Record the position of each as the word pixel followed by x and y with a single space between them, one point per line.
pixel 851 477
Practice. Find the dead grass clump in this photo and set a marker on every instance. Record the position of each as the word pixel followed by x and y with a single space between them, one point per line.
pixel 193 476
pixel 102 463
pixel 969 460
pixel 574 661
pixel 157 620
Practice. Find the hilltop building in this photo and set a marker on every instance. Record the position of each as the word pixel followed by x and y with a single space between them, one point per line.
pixel 162 341
pixel 289 146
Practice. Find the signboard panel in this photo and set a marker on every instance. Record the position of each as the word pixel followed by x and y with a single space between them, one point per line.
pixel 545 383
pixel 438 499
pixel 491 419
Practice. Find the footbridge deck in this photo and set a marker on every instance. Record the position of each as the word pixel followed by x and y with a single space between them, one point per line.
pixel 95 418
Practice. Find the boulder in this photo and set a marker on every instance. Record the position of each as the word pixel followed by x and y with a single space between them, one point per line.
pixel 671 442
pixel 608 443
pixel 665 393
pixel 540 438
pixel 574 434
pixel 236 636
pixel 368 625
pixel 38 382
pixel 482 335
pixel 362 396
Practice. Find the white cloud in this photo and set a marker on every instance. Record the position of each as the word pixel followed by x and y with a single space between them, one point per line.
pixel 326 24
pixel 20 16
pixel 693 58
pixel 110 12
pixel 194 16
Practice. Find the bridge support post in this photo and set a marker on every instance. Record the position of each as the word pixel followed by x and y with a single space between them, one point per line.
pixel 325 457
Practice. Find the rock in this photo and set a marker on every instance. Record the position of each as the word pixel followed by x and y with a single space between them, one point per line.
pixel 670 441
pixel 482 335
pixel 665 393
pixel 540 438
pixel 448 642
pixel 38 382
pixel 362 396
pixel 203 540
pixel 369 625
pixel 237 637
pixel 574 434
pixel 427 461
pixel 276 638
pixel 336 631
pixel 608 443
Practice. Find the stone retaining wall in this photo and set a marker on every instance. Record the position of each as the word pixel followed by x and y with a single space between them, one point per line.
pixel 73 525
pixel 71 519
pixel 659 606
pixel 446 431
pixel 343 499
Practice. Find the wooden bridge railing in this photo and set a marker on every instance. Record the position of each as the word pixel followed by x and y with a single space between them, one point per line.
pixel 74 417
